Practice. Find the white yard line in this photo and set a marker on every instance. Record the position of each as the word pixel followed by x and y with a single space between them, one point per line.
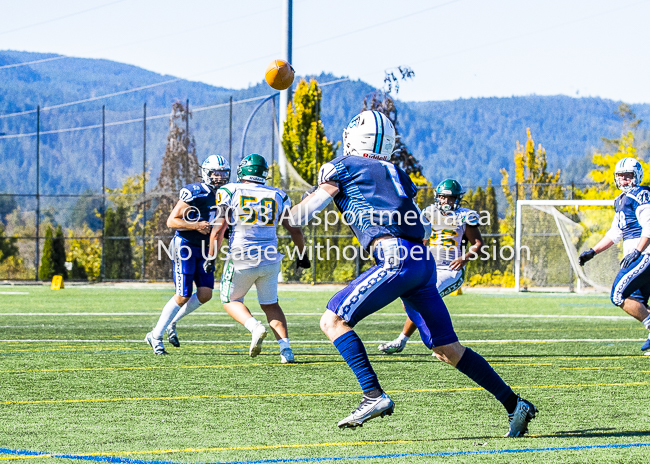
pixel 202 313
pixel 297 342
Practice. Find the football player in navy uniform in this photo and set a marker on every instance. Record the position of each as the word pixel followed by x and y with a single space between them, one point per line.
pixel 631 223
pixel 191 217
pixel 377 200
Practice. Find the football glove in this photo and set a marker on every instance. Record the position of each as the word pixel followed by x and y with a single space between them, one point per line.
pixel 208 265
pixel 586 256
pixel 303 262
pixel 309 192
pixel 630 258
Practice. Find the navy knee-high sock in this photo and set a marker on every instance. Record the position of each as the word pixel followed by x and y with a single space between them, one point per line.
pixel 351 348
pixel 474 366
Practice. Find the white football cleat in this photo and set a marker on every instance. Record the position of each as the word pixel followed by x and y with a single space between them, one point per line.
pixel 368 409
pixel 258 334
pixel 396 346
pixel 286 356
pixel 155 343
pixel 519 419
pixel 172 336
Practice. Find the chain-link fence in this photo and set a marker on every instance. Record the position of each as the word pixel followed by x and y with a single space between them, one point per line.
pixel 107 220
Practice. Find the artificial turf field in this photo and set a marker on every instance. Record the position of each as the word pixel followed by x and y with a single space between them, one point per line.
pixel 77 379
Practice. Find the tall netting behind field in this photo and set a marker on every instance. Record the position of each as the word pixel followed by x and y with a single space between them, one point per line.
pixel 553 237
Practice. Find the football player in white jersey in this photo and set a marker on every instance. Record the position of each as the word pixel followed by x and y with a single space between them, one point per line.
pixel 253 210
pixel 449 222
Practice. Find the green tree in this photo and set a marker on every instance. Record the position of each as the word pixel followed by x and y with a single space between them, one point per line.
pixel 58 254
pixel 118 254
pixel 78 271
pixel 8 246
pixel 45 271
pixel 303 140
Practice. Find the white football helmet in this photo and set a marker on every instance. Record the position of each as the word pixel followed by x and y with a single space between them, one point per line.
pixel 218 165
pixel 629 165
pixel 370 134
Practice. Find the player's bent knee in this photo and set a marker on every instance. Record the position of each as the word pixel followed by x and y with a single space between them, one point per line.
pixel 181 300
pixel 449 354
pixel 204 295
pixel 330 322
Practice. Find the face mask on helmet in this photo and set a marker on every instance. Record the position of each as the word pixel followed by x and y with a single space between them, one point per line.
pixel 452 191
pixel 370 134
pixel 452 203
pixel 215 171
pixel 628 165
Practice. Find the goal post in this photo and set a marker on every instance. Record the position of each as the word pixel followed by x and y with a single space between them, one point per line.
pixel 562 222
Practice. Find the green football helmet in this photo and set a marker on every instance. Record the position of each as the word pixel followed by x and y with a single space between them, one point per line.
pixel 449 188
pixel 253 168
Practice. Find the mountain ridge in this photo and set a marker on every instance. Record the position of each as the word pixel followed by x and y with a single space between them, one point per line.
pixel 469 139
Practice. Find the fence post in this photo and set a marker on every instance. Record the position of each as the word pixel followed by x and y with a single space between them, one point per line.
pixel 144 187
pixel 273 142
pixel 102 268
pixel 516 263
pixel 187 135
pixel 230 138
pixel 38 192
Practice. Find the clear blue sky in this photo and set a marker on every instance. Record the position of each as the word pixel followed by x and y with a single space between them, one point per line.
pixel 457 48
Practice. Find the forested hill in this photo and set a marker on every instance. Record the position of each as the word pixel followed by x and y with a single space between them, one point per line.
pixel 469 139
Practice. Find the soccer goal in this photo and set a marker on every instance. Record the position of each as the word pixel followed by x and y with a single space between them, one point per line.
pixel 549 237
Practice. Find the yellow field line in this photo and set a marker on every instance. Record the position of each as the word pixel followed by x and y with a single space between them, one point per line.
pixel 25 457
pixel 137 368
pixel 289 395
pixel 590 368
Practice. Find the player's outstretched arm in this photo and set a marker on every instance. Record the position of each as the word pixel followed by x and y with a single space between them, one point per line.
pixel 605 243
pixel 313 203
pixel 178 219
pixel 475 239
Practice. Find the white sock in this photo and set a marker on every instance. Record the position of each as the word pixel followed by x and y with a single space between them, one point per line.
pixel 192 304
pixel 402 337
pixel 251 323
pixel 646 322
pixel 168 313
pixel 284 343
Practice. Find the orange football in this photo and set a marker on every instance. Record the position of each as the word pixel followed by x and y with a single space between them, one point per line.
pixel 279 74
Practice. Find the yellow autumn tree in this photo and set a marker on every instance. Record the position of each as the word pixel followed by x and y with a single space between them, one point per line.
pixel 604 164
pixel 532 181
pixel 303 140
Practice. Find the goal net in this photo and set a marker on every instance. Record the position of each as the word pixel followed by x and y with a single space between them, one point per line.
pixel 551 234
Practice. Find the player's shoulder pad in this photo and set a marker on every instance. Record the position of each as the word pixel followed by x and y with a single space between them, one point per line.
pixel 640 194
pixel 278 191
pixel 468 216
pixel 226 191
pixel 190 192
pixel 328 172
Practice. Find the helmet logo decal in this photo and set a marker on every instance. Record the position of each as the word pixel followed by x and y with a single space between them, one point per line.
pixel 379 136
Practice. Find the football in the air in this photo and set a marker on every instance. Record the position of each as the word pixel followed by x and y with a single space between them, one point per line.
pixel 279 74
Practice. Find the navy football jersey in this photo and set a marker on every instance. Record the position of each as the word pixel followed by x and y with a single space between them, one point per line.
pixel 375 198
pixel 626 205
pixel 202 200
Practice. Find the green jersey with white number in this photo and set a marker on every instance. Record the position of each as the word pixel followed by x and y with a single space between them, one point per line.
pixel 254 211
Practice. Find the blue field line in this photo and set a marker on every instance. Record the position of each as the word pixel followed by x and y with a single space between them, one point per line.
pixel 112 459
